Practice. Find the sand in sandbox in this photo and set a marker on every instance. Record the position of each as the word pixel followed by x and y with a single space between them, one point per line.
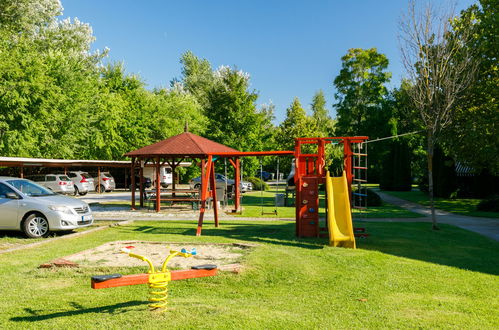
pixel 110 254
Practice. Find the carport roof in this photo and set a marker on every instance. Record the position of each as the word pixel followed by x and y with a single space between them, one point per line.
pixel 183 145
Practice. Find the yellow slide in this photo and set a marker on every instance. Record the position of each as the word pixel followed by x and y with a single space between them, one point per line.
pixel 339 215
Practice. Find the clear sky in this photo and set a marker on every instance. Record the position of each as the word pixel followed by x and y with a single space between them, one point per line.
pixel 290 48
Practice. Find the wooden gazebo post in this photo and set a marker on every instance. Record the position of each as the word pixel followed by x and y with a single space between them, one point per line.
pixel 133 182
pixel 158 185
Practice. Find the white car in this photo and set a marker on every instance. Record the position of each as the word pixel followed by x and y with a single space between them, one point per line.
pixel 36 210
pixel 82 181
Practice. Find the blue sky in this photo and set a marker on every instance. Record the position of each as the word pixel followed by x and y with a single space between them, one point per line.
pixel 290 48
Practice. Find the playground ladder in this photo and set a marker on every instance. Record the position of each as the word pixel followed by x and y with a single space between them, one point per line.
pixel 359 180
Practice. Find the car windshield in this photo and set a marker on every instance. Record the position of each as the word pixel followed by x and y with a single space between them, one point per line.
pixel 30 188
pixel 107 175
pixel 85 175
pixel 64 178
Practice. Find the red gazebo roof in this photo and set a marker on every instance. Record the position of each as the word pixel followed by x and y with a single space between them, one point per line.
pixel 182 145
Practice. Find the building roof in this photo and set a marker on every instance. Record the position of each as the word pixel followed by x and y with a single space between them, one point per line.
pixel 182 145
pixel 44 162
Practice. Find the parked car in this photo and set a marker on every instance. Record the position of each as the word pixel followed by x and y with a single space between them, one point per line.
pixel 58 183
pixel 107 183
pixel 36 210
pixel 82 181
pixel 244 185
pixel 165 175
pixel 120 182
pixel 266 176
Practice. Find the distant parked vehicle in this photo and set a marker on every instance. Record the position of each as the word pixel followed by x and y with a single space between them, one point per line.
pixel 82 181
pixel 58 183
pixel 266 176
pixel 107 183
pixel 165 175
pixel 120 182
pixel 36 210
pixel 244 185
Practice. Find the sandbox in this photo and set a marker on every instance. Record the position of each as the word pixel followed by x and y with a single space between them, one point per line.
pixel 224 255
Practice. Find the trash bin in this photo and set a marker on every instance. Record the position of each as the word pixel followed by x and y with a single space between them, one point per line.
pixel 279 199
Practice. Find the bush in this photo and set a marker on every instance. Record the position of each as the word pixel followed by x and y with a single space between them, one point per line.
pixel 489 205
pixel 373 199
pixel 396 168
pixel 257 183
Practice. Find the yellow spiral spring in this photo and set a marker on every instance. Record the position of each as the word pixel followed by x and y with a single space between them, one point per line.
pixel 159 294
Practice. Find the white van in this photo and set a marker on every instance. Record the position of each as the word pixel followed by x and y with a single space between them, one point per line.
pixel 166 175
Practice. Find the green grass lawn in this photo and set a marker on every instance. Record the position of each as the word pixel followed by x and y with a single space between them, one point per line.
pixel 252 204
pixel 460 206
pixel 402 276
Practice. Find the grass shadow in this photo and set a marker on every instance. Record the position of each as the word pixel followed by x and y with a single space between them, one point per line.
pixel 268 233
pixel 450 246
pixel 36 315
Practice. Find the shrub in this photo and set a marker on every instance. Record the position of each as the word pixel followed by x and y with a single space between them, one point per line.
pixel 257 183
pixel 489 205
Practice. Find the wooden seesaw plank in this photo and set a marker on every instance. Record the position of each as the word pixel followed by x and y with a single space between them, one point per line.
pixel 144 278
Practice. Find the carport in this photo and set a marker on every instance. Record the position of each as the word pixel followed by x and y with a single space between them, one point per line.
pixel 22 163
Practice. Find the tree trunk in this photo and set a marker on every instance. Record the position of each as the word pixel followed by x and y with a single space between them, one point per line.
pixel 431 147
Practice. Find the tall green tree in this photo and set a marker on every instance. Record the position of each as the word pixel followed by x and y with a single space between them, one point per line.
pixel 197 77
pixel 361 91
pixel 296 124
pixel 320 115
pixel 473 137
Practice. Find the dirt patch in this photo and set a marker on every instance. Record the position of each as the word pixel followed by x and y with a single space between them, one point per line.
pixel 110 255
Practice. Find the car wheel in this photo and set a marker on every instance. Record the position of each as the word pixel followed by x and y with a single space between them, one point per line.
pixel 36 226
pixel 197 185
pixel 76 191
pixel 102 189
pixel 83 193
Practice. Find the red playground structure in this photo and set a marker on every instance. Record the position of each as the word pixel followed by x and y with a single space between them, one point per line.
pixel 310 172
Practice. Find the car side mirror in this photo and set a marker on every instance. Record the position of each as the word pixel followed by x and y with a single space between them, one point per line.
pixel 12 195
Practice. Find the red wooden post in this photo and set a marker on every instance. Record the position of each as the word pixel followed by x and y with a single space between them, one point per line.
pixel 133 182
pixel 204 192
pixel 213 183
pixel 158 187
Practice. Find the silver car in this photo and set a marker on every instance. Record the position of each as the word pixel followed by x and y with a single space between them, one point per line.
pixel 107 182
pixel 82 181
pixel 58 183
pixel 36 210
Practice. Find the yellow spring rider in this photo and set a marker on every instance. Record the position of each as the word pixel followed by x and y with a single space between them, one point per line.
pixel 158 280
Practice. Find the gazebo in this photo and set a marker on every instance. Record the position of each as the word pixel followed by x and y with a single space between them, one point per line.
pixel 176 149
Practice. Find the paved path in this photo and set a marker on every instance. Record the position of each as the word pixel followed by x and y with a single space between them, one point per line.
pixel 488 227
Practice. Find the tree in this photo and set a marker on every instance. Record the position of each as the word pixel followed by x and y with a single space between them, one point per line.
pixel 360 92
pixel 323 122
pixel 197 77
pixel 296 124
pixel 472 139
pixel 439 70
